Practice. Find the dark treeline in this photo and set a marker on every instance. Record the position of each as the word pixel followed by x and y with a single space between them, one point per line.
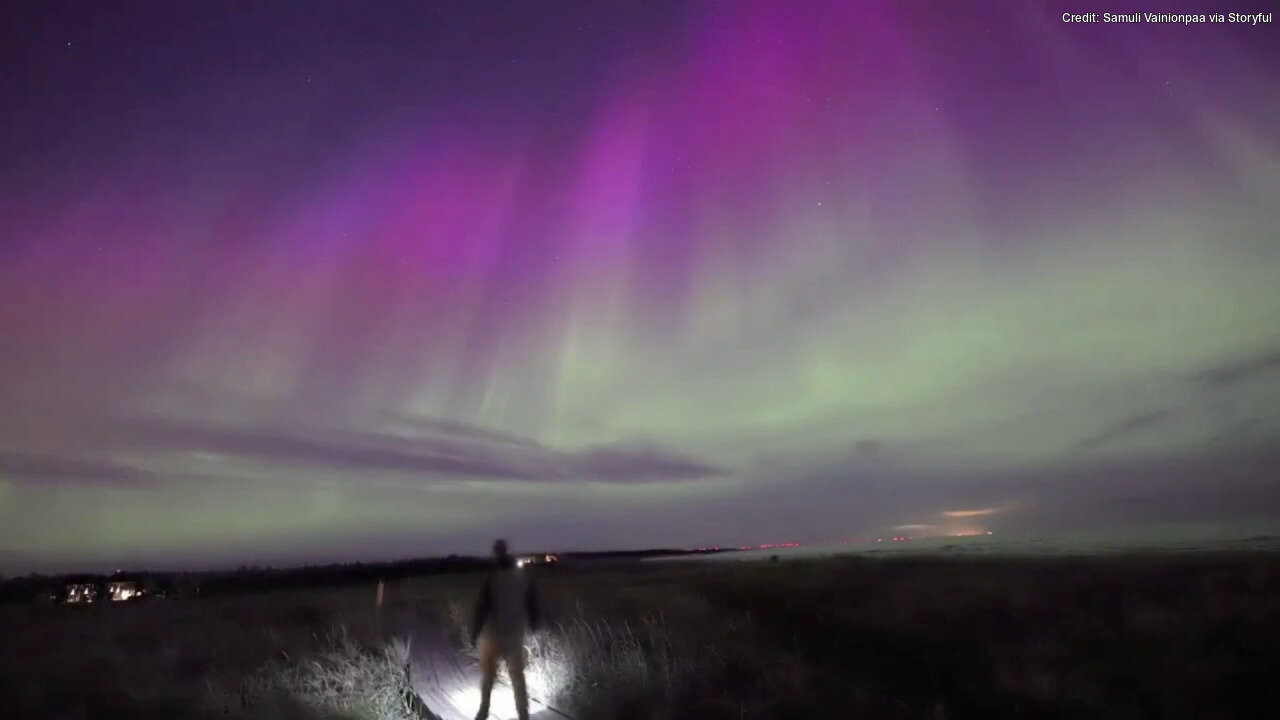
pixel 52 588
pixel 30 588
pixel 256 579
pixel 630 554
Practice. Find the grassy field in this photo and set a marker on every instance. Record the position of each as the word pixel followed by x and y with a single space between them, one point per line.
pixel 1120 637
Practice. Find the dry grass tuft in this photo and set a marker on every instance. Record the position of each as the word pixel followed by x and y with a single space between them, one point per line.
pixel 345 680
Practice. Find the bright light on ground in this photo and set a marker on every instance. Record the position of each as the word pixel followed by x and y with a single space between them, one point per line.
pixel 547 673
pixel 502 703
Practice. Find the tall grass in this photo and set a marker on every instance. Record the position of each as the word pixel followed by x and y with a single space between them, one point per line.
pixel 272 655
pixel 344 679
pixel 894 638
pixel 911 638
pixel 621 654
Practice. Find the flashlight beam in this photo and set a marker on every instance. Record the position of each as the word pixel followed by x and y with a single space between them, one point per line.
pixel 450 689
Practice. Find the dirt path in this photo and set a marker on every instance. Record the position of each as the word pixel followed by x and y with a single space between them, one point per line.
pixel 449 683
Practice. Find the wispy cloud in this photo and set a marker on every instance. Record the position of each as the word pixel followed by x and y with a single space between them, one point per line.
pixel 617 462
pixel 51 469
pixel 434 450
pixel 1125 427
pixel 343 450
pixel 1234 371
pixel 867 448
pixel 419 425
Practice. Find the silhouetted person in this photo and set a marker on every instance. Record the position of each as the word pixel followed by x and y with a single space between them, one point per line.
pixel 506 610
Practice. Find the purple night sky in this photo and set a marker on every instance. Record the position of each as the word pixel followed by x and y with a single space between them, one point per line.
pixel 288 282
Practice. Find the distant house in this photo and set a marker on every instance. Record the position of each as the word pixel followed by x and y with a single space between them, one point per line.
pixel 80 593
pixel 114 590
pixel 121 590
pixel 547 559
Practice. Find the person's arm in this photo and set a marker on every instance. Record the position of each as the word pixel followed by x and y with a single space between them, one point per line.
pixel 481 612
pixel 531 605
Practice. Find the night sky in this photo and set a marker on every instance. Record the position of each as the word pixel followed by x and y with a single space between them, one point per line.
pixel 286 282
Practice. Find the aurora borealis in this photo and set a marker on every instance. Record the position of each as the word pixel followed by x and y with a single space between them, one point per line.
pixel 355 281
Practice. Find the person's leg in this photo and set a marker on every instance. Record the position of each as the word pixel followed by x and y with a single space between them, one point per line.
pixel 515 668
pixel 488 670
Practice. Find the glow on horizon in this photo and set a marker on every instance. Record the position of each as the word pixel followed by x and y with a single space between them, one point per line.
pixel 970 513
